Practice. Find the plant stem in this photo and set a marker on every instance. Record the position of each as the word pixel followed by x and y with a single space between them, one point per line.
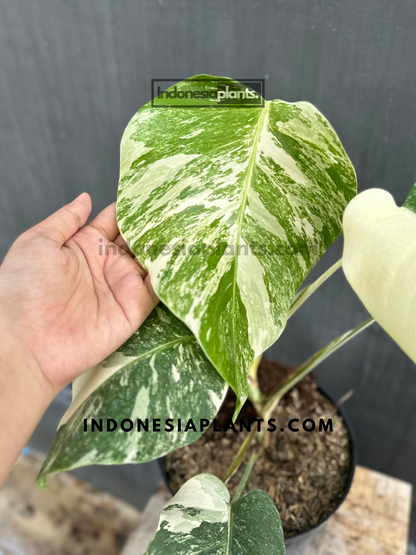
pixel 310 364
pixel 274 399
pixel 246 475
pixel 305 293
pixel 254 368
pixel 240 456
pixel 254 393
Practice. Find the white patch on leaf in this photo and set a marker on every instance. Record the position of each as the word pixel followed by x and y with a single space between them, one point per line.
pixel 379 261
pixel 87 383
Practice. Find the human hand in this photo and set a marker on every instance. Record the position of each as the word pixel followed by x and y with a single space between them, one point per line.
pixel 64 307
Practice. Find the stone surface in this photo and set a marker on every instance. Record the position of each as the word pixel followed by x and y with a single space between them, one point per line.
pixel 71 518
pixel 373 520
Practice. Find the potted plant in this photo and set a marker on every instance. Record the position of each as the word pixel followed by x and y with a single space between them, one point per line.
pixel 228 207
pixel 305 463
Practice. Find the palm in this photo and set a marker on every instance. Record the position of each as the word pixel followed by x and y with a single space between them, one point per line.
pixel 82 299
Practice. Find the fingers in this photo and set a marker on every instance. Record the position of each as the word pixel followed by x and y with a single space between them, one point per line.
pixel 123 250
pixel 106 222
pixel 155 299
pixel 142 272
pixel 64 223
pixel 120 242
pixel 133 293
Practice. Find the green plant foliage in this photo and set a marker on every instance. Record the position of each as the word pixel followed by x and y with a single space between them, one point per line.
pixel 159 373
pixel 229 209
pixel 201 519
pixel 410 202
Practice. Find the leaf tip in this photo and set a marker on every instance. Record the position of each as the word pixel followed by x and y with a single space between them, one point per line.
pixel 41 482
pixel 238 406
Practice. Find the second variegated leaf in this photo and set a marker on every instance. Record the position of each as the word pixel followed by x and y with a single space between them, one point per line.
pixel 160 373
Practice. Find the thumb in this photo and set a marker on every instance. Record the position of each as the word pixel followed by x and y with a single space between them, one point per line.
pixel 64 223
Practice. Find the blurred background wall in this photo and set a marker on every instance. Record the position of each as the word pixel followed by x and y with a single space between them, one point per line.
pixel 72 73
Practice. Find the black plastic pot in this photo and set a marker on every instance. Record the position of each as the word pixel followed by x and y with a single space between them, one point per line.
pixel 295 545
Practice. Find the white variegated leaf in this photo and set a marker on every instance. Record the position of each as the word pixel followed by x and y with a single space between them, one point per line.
pixel 379 261
pixel 159 373
pixel 201 519
pixel 238 205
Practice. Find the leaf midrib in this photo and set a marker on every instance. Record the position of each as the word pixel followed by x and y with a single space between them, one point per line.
pixel 243 204
pixel 133 360
pixel 180 339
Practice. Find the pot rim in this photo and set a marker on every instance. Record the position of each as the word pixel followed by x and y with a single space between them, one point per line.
pixel 353 455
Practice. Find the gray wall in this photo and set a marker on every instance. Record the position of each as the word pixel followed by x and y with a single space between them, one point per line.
pixel 73 72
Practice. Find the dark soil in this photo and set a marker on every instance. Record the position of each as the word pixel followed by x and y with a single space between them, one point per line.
pixel 305 473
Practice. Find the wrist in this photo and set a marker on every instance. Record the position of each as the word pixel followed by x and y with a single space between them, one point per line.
pixel 20 369
pixel 25 395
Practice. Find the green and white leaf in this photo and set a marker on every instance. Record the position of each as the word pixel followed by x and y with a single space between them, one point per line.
pixel 159 373
pixel 410 202
pixel 201 519
pixel 379 261
pixel 238 205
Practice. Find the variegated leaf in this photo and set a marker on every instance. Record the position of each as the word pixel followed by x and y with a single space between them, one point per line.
pixel 237 206
pixel 201 519
pixel 379 261
pixel 159 373
pixel 410 202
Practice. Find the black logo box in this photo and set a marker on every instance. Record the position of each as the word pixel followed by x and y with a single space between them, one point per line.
pixel 257 85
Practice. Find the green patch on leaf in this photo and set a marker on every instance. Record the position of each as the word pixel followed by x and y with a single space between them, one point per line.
pixel 201 519
pixel 229 209
pixel 159 373
pixel 410 201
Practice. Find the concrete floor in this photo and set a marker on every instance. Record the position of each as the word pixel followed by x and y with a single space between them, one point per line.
pixel 71 518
